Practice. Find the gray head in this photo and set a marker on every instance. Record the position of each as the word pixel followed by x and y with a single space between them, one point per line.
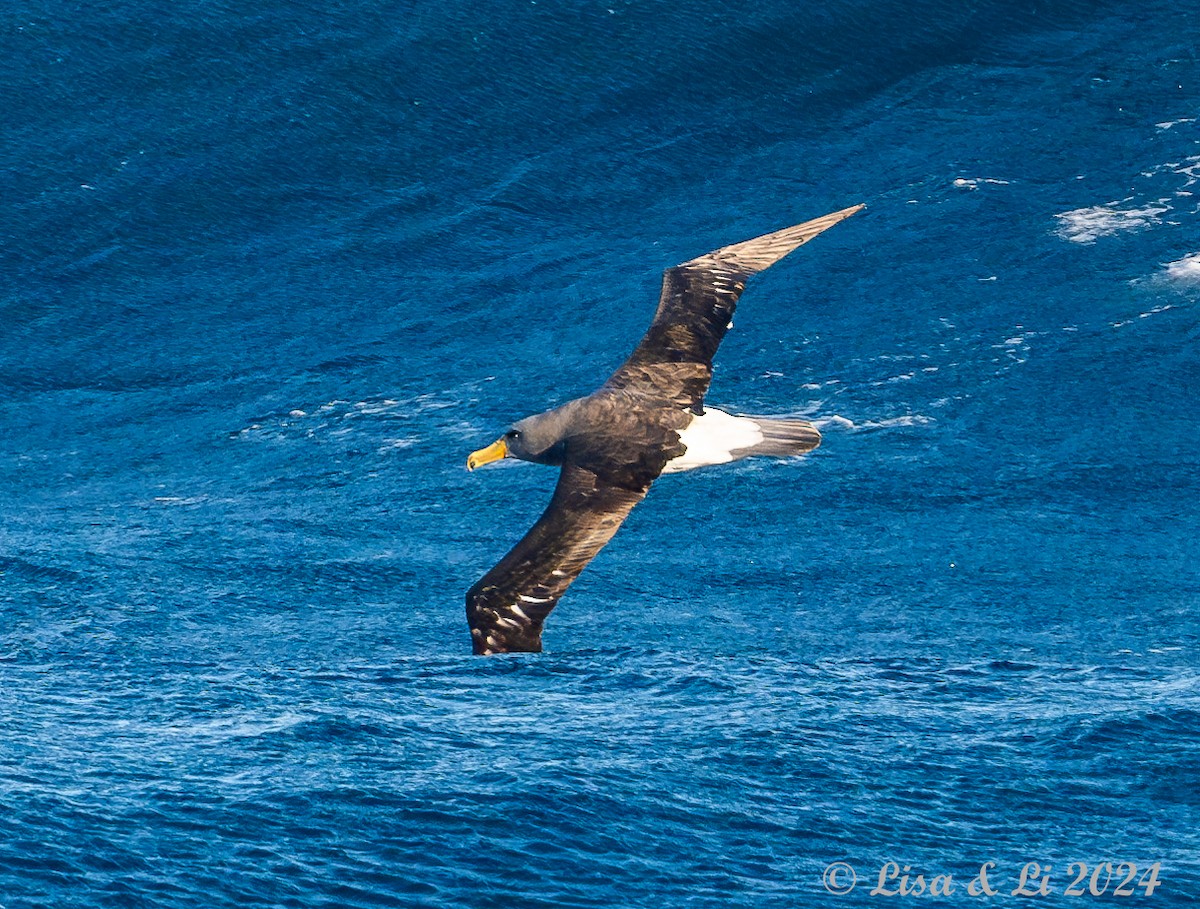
pixel 539 438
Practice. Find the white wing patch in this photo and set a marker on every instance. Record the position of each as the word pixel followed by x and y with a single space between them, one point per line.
pixel 712 438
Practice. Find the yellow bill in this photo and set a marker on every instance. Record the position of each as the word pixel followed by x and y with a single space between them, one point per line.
pixel 495 452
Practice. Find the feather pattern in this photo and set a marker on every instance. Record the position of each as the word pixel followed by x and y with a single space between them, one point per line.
pixel 506 608
pixel 695 310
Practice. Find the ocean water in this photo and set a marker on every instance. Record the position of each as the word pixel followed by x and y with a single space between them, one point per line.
pixel 272 270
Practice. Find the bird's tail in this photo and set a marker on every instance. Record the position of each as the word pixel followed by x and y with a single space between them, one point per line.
pixel 782 438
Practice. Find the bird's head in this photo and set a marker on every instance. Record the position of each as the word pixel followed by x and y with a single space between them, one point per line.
pixel 539 438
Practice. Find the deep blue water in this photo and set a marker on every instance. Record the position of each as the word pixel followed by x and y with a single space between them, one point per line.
pixel 270 271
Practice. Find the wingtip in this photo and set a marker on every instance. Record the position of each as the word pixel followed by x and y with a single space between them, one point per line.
pixel 760 253
pixel 833 217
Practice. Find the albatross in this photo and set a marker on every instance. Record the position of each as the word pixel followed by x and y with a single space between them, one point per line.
pixel 648 419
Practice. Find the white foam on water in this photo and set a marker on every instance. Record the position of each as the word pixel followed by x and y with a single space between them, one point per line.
pixel 1142 315
pixel 1185 167
pixel 394 444
pixel 1087 225
pixel 386 404
pixel 965 183
pixel 180 500
pixel 835 420
pixel 911 419
pixel 1185 269
pixel 1155 311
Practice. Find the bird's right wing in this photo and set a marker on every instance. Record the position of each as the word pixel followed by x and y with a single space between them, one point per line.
pixel 673 361
pixel 509 604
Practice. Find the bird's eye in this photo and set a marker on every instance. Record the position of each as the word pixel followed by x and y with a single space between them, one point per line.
pixel 513 434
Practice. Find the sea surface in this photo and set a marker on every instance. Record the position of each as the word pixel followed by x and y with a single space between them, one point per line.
pixel 271 270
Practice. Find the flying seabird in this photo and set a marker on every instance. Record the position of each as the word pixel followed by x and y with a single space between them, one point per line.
pixel 648 419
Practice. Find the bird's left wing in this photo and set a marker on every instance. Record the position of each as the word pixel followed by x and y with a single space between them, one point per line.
pixel 673 361
pixel 509 604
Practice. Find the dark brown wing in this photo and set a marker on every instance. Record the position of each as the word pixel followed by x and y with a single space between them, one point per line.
pixel 508 605
pixel 673 361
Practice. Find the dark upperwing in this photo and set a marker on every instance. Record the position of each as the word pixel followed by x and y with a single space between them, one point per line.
pixel 509 604
pixel 673 361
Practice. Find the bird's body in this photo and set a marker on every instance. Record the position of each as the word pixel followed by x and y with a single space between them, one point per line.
pixel 648 419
